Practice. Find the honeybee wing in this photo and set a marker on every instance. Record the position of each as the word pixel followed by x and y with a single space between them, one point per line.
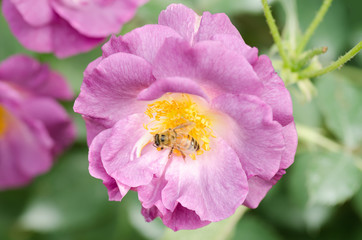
pixel 185 127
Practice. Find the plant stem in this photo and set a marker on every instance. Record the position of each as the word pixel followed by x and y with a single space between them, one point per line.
pixel 337 64
pixel 274 32
pixel 358 162
pixel 291 29
pixel 311 135
pixel 312 27
pixel 308 55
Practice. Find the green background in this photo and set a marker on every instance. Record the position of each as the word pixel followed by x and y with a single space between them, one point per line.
pixel 320 197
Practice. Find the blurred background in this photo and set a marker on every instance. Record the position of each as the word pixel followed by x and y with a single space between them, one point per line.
pixel 320 197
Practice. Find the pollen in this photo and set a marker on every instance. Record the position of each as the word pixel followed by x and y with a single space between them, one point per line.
pixel 2 120
pixel 174 110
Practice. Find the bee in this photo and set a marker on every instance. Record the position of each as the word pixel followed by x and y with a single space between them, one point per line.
pixel 177 138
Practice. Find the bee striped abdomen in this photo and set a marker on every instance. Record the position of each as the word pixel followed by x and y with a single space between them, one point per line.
pixel 192 144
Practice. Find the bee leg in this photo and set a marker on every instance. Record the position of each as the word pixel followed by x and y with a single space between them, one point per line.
pixel 170 154
pixel 183 155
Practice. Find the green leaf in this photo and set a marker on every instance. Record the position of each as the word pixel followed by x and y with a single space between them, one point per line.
pixel 113 226
pixel 150 230
pixel 306 113
pixel 67 197
pixel 357 202
pixel 214 231
pixel 354 25
pixel 231 7
pixel 340 102
pixel 67 203
pixel 353 75
pixel 332 178
pixel 277 203
pixel 288 200
pixel 254 228
pixel 314 215
pixel 12 204
pixel 296 180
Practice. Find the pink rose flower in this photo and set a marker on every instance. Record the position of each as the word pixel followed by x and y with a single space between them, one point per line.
pixel 34 128
pixel 189 116
pixel 66 27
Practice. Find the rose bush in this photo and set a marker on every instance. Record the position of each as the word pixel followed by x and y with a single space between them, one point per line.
pixel 34 127
pixel 66 27
pixel 187 69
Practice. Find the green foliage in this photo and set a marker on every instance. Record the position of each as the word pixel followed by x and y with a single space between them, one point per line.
pixel 319 198
pixel 66 203
pixel 332 178
pixel 332 31
pixel 12 204
pixel 340 102
pixel 61 194
pixel 254 228
pixel 319 181
pixel 307 113
pixel 357 201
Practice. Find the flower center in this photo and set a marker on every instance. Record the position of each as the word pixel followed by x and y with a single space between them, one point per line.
pixel 179 118
pixel 2 120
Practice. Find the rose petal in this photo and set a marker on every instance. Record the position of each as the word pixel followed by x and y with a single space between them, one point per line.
pixel 24 151
pixel 178 219
pixel 114 45
pixel 275 94
pixel 91 66
pixel 110 91
pixel 212 24
pixel 182 19
pixel 150 194
pixel 58 36
pixel 206 63
pixel 238 45
pixel 257 139
pixel 34 12
pixel 38 39
pixel 258 188
pixel 10 95
pixel 66 41
pixel 95 19
pixel 152 206
pixel 144 41
pixel 119 158
pixel 291 143
pixel 172 84
pixel 150 213
pixel 183 218
pixel 58 124
pixel 115 191
pixel 94 127
pixel 34 77
pixel 213 185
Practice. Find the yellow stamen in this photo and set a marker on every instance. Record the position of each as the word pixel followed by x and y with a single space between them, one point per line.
pixel 174 110
pixel 3 124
